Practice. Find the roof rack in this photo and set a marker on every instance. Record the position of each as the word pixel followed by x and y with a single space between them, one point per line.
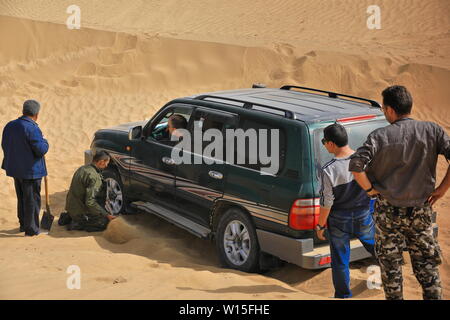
pixel 333 94
pixel 247 105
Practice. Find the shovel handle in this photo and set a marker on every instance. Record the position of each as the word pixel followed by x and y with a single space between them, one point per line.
pixel 47 198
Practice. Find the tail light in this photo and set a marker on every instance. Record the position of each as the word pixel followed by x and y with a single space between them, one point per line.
pixel 304 214
pixel 324 260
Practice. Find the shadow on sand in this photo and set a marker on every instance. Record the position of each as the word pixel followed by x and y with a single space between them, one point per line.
pixel 156 239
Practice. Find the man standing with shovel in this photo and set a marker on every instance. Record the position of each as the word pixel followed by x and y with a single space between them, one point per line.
pixel 24 148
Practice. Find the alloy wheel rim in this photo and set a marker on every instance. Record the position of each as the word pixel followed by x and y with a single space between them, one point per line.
pixel 236 242
pixel 114 197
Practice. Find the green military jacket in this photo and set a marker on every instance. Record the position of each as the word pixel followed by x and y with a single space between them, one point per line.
pixel 86 187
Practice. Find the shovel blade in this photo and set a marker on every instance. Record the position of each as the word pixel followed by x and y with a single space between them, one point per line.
pixel 47 220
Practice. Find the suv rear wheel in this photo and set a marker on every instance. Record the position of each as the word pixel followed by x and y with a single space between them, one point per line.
pixel 237 242
pixel 115 202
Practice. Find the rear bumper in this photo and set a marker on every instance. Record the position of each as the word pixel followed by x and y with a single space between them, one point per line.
pixel 302 251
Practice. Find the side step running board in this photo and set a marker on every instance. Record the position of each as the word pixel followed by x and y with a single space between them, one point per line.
pixel 174 218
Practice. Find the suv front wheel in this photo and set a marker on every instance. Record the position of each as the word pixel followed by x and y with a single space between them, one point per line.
pixel 237 242
pixel 115 202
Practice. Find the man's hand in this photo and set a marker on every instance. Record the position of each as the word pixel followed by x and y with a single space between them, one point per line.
pixel 436 195
pixel 440 191
pixel 373 192
pixel 111 217
pixel 320 234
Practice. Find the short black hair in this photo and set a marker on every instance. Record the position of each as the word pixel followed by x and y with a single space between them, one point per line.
pixel 336 133
pixel 101 155
pixel 399 99
pixel 178 121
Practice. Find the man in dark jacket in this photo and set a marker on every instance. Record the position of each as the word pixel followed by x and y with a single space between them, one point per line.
pixel 398 163
pixel 24 148
pixel 83 202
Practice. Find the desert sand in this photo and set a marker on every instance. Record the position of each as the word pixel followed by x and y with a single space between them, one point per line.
pixel 131 57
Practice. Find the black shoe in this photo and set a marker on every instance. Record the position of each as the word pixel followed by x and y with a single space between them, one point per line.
pixel 64 219
pixel 22 229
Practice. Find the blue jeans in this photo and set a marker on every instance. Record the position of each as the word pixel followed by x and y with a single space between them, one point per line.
pixel 343 226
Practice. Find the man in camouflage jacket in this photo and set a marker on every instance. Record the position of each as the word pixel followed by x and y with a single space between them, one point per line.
pixel 85 193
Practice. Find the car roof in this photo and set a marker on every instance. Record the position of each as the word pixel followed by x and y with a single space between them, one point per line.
pixel 304 106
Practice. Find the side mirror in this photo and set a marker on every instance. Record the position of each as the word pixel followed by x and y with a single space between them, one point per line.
pixel 135 133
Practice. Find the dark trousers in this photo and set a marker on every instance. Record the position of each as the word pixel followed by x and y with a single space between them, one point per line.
pixel 88 222
pixel 342 227
pixel 28 204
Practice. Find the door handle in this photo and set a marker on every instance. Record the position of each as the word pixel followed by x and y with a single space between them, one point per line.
pixel 168 161
pixel 215 175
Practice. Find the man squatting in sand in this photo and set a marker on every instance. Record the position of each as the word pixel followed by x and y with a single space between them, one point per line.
pixel 398 164
pixel 24 148
pixel 85 195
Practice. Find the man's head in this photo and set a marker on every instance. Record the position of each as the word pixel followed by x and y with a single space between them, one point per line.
pixel 31 109
pixel 176 121
pixel 334 138
pixel 101 160
pixel 397 103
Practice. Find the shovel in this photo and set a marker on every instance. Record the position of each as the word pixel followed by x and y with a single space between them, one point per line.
pixel 47 217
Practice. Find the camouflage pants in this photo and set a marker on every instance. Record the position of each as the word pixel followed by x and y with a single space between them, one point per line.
pixel 396 228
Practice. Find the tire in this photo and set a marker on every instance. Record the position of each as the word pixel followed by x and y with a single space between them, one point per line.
pixel 116 201
pixel 237 242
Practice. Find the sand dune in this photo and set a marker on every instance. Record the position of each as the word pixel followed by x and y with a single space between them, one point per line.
pixel 127 61
pixel 410 29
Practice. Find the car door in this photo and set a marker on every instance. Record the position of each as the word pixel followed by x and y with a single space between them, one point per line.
pixel 201 182
pixel 249 185
pixel 152 167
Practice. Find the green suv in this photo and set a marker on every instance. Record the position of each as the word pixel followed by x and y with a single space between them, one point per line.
pixel 251 214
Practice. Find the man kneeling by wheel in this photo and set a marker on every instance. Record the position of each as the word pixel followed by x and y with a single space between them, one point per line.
pixel 83 202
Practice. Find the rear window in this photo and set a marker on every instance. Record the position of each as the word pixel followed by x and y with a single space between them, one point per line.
pixel 357 135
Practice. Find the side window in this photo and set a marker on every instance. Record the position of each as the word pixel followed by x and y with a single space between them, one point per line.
pixel 204 120
pixel 265 135
pixel 166 124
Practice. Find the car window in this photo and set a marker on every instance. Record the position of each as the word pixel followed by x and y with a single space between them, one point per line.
pixel 204 119
pixel 159 130
pixel 249 156
pixel 357 135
